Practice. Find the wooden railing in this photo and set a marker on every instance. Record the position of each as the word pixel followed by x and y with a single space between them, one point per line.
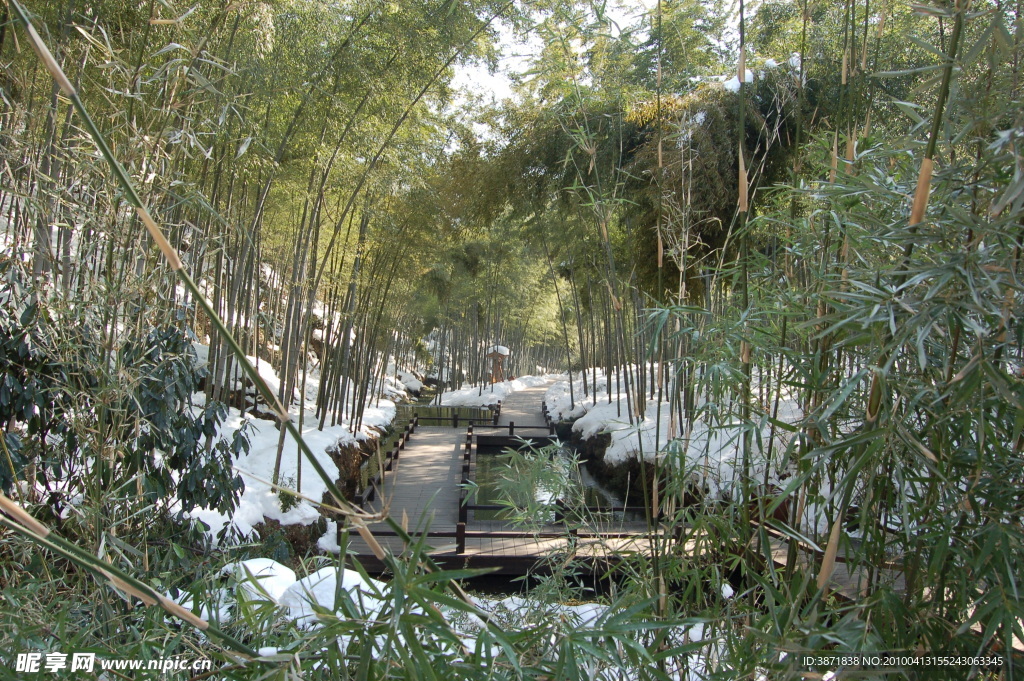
pixel 390 457
pixel 452 416
pixel 512 427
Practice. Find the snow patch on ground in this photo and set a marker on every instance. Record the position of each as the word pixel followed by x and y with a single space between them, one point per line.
pixel 259 499
pixel 321 589
pixel 333 592
pixel 261 578
pixel 711 450
pixel 489 395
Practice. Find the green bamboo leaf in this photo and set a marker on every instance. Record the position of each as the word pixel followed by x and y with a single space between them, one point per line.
pixel 909 72
pixel 171 47
pixel 792 533
pixel 839 398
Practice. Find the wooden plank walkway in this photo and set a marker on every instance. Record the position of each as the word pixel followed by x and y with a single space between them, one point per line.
pixel 422 491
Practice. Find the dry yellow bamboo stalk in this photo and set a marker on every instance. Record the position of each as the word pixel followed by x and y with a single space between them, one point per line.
pixel 924 181
pixel 158 236
pixel 370 540
pixel 828 562
pixel 22 516
pixel 121 585
pixel 846 64
pixel 742 69
pixel 183 613
pixel 51 64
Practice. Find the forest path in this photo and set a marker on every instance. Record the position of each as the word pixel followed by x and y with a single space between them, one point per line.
pixel 423 485
pixel 524 407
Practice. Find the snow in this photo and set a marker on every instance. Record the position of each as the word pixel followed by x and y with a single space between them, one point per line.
pixel 499 349
pixel 394 390
pixel 260 500
pixel 263 367
pixel 321 589
pixel 335 592
pixel 261 578
pixel 733 84
pixel 411 381
pixel 489 395
pixel 329 542
pixel 710 451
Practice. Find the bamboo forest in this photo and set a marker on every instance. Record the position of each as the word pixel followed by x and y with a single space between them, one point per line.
pixel 597 340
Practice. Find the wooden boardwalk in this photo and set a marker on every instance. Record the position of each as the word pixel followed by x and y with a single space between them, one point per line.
pixel 422 491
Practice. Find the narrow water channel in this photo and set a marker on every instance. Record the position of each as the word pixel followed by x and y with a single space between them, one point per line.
pixel 491 468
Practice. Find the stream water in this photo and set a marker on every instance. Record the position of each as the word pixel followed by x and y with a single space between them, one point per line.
pixel 491 468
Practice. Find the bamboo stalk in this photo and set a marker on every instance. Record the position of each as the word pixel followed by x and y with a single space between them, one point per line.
pixel 923 189
pixel 742 200
pixel 922 192
pixel 24 524
pixel 828 562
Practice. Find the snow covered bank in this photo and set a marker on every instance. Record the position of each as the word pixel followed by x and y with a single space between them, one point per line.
pixel 409 381
pixel 260 501
pixel 711 451
pixel 489 395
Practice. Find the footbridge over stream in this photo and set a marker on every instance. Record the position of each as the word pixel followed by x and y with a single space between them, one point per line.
pixel 427 486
